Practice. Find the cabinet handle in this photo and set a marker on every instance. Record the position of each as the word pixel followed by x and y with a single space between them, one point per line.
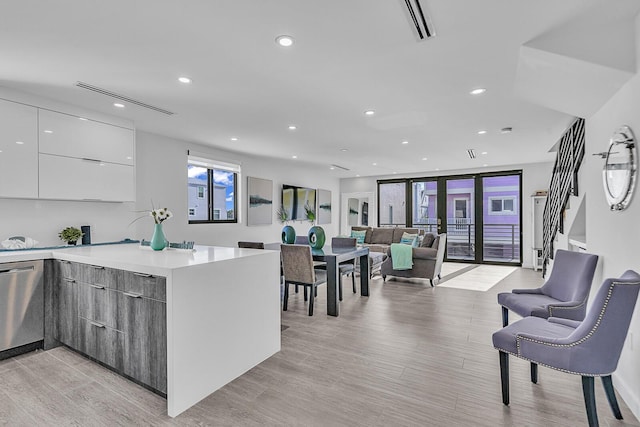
pixel 97 286
pixel 16 270
pixel 97 325
pixel 65 262
pixel 97 267
pixel 92 200
pixel 143 274
pixel 132 295
pixel 66 279
pixel 86 159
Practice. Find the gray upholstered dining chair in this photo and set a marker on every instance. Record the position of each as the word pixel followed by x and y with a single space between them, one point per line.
pixel 297 263
pixel 251 245
pixel 564 294
pixel 590 348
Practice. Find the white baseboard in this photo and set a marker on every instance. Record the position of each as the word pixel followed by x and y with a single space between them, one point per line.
pixel 627 394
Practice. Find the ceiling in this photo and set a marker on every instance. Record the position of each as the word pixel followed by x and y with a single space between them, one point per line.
pixel 348 57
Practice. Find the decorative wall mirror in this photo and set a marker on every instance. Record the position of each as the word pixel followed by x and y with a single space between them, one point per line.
pixel 619 172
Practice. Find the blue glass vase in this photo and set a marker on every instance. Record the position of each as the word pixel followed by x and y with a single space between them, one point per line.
pixel 158 241
pixel 316 237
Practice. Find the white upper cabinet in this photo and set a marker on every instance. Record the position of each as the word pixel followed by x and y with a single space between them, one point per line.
pixel 68 178
pixel 72 136
pixel 18 150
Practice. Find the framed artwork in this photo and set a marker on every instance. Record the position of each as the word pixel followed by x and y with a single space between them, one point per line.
pixel 324 207
pixel 353 206
pixel 260 201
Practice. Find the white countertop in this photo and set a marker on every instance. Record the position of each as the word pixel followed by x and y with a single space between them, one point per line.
pixel 132 257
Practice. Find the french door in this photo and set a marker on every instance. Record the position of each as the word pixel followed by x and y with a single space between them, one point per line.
pixel 481 214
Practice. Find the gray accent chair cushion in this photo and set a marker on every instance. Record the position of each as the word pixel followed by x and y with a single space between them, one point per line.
pixel 589 348
pixel 427 240
pixel 427 262
pixel 564 294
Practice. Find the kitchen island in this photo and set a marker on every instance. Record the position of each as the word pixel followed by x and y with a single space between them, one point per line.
pixel 221 307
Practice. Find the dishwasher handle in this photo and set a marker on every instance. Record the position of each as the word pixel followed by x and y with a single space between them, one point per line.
pixel 17 270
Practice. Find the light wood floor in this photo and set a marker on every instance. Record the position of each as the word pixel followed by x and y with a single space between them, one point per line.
pixel 408 355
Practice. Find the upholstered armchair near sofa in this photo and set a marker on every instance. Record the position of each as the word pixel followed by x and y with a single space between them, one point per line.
pixel 427 260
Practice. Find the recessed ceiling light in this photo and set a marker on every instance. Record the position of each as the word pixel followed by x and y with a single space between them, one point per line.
pixel 19 142
pixel 374 164
pixel 0 151
pixel 185 80
pixel 478 91
pixel 294 157
pixel 118 105
pixel 424 158
pixel 48 131
pixel 395 173
pixel 506 130
pixel 369 112
pixel 129 157
pixel 293 127
pixel 482 132
pixel 485 165
pixel 356 175
pixel 332 168
pixel 437 169
pixel 483 153
pixel 234 138
pixel 82 118
pixel 284 41
pixel 405 142
pixel 344 150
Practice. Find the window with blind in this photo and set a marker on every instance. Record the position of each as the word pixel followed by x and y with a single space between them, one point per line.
pixel 212 190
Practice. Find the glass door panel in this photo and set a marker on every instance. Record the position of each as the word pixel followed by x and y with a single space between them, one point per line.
pixel 501 218
pixel 392 204
pixel 460 227
pixel 424 198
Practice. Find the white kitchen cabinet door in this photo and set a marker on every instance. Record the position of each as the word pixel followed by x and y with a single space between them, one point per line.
pixel 18 150
pixel 71 136
pixel 68 178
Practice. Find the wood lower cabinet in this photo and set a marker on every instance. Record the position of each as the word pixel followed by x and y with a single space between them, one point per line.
pixel 145 352
pixel 65 304
pixel 116 317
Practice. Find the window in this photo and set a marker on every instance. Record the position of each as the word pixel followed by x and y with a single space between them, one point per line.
pixel 212 190
pixel 502 205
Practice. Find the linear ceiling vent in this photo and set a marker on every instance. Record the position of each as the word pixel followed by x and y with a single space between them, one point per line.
pixel 340 167
pixel 123 98
pixel 422 23
pixel 472 153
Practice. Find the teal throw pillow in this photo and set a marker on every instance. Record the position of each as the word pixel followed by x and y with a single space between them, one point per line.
pixel 359 236
pixel 409 239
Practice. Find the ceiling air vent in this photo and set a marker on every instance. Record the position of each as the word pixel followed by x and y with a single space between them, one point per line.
pixel 123 98
pixel 421 23
pixel 340 167
pixel 472 153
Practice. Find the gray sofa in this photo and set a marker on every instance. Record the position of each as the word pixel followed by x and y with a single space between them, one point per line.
pixel 379 239
pixel 427 260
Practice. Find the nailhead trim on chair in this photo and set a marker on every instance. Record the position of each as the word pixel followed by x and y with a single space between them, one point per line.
pixel 519 338
pixel 566 307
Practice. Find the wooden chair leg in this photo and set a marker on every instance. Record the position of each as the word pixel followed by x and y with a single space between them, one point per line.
pixel 311 298
pixel 353 280
pixel 431 281
pixel 611 396
pixel 590 400
pixel 505 316
pixel 534 373
pixel 305 293
pixel 297 290
pixel 340 288
pixel 504 376
pixel 286 296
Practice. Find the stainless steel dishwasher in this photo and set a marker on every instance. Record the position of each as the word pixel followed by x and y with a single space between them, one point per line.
pixel 21 304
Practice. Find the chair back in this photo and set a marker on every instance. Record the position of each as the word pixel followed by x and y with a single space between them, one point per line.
pixel 571 276
pixel 251 245
pixel 343 242
pixel 302 240
pixel 297 263
pixel 600 337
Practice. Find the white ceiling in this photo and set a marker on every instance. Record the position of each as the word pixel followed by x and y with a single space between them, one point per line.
pixel 348 56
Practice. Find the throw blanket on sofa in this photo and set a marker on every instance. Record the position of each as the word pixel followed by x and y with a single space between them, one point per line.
pixel 402 256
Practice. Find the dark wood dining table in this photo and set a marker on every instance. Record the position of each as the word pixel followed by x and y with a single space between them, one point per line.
pixel 333 257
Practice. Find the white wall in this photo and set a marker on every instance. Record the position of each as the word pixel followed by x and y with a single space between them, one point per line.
pixel 535 176
pixel 614 236
pixel 162 177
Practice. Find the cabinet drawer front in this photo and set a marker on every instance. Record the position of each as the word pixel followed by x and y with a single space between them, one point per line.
pixel 146 285
pixel 99 304
pixel 101 342
pixel 69 270
pixel 110 278
pixel 69 136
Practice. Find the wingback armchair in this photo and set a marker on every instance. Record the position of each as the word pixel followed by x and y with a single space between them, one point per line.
pixel 564 294
pixel 590 348
pixel 427 261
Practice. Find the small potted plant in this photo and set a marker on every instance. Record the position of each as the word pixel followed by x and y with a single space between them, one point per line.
pixel 70 235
